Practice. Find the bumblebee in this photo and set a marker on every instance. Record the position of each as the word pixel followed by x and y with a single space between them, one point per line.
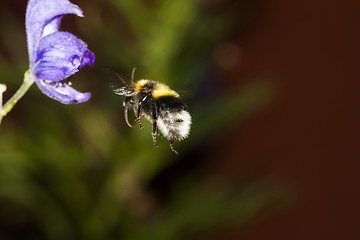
pixel 159 105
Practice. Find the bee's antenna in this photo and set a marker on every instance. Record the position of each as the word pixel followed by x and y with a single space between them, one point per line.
pixel 132 74
pixel 109 69
pixel 120 77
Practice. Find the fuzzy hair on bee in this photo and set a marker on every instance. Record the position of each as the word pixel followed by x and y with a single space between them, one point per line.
pixel 158 104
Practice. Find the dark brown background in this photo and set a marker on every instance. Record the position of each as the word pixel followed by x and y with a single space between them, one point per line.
pixel 309 135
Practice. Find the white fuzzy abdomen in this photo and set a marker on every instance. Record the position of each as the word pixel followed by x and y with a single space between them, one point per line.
pixel 175 126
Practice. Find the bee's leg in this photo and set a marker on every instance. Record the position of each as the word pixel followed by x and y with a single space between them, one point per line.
pixel 126 117
pixel 127 104
pixel 154 115
pixel 137 112
pixel 154 132
pixel 172 148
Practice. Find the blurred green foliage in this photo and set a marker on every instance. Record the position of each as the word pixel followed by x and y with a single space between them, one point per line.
pixel 78 172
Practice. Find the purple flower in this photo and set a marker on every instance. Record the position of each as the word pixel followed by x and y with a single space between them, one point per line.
pixel 55 55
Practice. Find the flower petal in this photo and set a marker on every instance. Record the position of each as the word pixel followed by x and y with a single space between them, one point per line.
pixel 42 18
pixel 60 55
pixel 62 92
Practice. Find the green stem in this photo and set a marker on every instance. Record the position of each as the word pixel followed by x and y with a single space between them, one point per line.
pixel 28 81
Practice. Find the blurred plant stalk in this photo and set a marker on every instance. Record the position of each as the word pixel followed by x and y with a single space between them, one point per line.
pixel 28 81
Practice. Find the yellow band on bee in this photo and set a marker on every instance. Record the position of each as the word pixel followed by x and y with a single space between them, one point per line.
pixel 159 89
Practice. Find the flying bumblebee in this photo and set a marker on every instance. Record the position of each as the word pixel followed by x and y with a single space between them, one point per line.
pixel 158 104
